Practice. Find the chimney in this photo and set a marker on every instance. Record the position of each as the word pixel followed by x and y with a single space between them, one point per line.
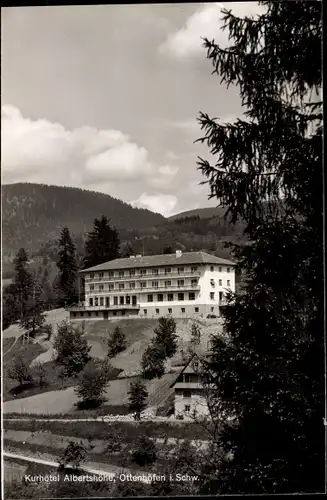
pixel 139 255
pixel 132 256
pixel 178 254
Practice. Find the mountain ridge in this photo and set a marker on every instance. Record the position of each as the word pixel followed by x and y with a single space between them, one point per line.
pixel 34 213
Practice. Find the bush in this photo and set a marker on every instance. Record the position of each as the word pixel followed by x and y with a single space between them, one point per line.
pixel 73 350
pixel 39 374
pixel 116 342
pixel 48 330
pixel 153 362
pixel 145 452
pixel 92 386
pixel 19 370
pixel 195 334
pixel 74 455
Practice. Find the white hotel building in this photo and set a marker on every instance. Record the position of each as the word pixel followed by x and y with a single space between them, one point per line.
pixel 181 285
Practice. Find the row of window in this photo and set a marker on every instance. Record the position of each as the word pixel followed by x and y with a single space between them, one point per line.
pixel 154 284
pixel 151 272
pixel 96 313
pixel 187 393
pixel 170 311
pixel 122 300
pixel 141 272
pixel 170 297
pixel 142 284
pixel 101 301
pixel 220 283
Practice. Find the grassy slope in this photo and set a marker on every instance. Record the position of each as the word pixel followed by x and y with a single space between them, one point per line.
pixel 27 352
pixel 138 335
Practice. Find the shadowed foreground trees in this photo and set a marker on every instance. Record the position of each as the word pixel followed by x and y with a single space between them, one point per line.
pixel 268 172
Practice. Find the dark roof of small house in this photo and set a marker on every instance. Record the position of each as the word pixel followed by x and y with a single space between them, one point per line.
pixel 195 355
pixel 186 258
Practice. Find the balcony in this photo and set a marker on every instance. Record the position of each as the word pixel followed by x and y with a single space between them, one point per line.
pixel 139 276
pixel 127 291
pixel 111 307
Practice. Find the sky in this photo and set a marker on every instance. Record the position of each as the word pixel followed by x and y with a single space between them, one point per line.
pixel 106 98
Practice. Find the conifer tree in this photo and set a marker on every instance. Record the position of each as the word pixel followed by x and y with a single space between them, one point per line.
pixel 127 250
pixel 102 244
pixel 166 336
pixel 269 375
pixel 138 395
pixel 23 281
pixel 116 342
pixel 67 278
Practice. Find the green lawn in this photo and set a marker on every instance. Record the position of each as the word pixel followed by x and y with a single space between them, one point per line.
pixel 53 381
pixel 134 330
pixel 27 352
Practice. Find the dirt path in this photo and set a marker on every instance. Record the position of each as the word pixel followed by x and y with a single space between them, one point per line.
pixel 11 347
pixel 52 317
pixel 49 355
pixel 90 467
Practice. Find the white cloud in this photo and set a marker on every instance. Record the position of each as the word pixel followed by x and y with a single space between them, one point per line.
pixel 162 203
pixel 206 22
pixel 171 155
pixel 46 152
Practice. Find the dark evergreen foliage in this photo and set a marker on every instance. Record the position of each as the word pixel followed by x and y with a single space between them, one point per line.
pixel 67 265
pixel 127 250
pixel 91 386
pixel 116 342
pixel 270 373
pixel 145 452
pixel 23 280
pixel 166 337
pixel 138 395
pixel 153 361
pixel 73 456
pixel 102 244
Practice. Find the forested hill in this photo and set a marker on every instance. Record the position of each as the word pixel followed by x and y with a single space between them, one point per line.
pixel 202 213
pixel 33 214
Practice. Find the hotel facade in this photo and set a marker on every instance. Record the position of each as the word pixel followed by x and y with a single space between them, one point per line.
pixel 180 285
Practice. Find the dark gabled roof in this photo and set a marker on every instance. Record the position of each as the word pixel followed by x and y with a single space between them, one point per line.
pixel 195 355
pixel 160 260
